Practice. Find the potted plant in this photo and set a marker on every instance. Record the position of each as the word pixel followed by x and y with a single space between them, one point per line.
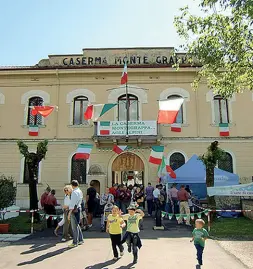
pixel 7 198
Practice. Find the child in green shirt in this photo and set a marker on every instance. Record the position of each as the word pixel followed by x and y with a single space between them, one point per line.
pixel 132 233
pixel 199 236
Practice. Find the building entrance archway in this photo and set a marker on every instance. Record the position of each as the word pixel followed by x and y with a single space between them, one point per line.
pixel 128 169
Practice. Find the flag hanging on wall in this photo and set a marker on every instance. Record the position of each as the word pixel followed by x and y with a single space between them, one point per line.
pixel 33 130
pixel 124 77
pixel 44 111
pixel 119 149
pixel 164 168
pixel 168 110
pixel 224 129
pixel 156 155
pixel 104 128
pixel 176 127
pixel 93 112
pixel 83 151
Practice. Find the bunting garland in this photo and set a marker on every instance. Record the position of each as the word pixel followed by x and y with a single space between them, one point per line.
pixel 184 216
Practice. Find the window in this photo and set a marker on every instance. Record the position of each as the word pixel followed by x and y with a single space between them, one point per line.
pixel 221 114
pixel 133 111
pixel 78 170
pixel 177 159
pixel 37 119
pixel 80 105
pixel 179 118
pixel 26 173
pixel 226 163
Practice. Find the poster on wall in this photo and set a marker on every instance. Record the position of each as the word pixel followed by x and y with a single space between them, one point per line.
pixel 235 190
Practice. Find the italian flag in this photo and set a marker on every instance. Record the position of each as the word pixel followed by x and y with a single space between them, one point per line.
pixel 119 149
pixel 176 127
pixel 104 128
pixel 164 169
pixel 93 112
pixel 156 155
pixel 44 111
pixel 33 130
pixel 124 77
pixel 168 110
pixel 224 129
pixel 83 152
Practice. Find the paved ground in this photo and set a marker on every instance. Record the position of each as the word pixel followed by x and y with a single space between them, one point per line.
pixel 161 249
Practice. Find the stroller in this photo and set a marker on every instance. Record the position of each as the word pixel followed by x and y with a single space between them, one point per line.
pixel 107 211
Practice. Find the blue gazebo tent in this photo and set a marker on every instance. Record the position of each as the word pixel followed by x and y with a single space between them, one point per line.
pixel 193 173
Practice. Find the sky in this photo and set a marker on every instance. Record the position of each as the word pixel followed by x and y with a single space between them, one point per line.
pixel 31 30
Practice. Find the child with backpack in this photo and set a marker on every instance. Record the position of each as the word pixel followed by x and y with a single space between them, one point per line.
pixel 131 236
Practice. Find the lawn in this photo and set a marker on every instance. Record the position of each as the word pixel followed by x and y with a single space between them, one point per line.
pixel 22 225
pixel 233 228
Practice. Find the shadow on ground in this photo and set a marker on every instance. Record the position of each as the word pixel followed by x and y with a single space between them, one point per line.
pixel 107 263
pixel 44 257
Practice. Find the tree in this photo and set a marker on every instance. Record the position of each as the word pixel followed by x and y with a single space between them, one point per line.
pixel 221 42
pixel 32 161
pixel 210 160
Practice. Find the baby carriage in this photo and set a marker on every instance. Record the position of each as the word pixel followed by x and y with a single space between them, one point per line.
pixel 107 211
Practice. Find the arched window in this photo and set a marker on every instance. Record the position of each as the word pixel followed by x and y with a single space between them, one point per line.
pixel 180 114
pixel 37 119
pixel 177 159
pixel 80 106
pixel 133 108
pixel 26 173
pixel 226 163
pixel 221 114
pixel 78 170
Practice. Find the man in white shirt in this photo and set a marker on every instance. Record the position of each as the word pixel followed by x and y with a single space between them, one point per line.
pixel 74 214
pixel 156 192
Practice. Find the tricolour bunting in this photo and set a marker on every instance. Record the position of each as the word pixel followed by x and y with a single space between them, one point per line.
pixel 83 151
pixel 164 168
pixel 33 130
pixel 168 110
pixel 119 149
pixel 44 111
pixel 224 129
pixel 176 127
pixel 93 112
pixel 124 77
pixel 156 155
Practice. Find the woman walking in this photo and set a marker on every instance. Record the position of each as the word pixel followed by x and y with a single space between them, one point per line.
pixel 67 232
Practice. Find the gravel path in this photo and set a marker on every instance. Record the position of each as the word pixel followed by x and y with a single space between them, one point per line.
pixel 242 250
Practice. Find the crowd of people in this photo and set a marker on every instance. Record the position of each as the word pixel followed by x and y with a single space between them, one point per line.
pixel 128 204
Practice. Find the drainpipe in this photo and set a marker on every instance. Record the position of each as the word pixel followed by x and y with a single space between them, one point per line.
pixel 197 112
pixel 57 98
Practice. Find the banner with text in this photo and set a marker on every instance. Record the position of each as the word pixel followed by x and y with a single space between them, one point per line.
pixel 119 128
pixel 235 190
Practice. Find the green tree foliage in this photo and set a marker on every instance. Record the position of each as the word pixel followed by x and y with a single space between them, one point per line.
pixel 210 160
pixel 32 160
pixel 221 42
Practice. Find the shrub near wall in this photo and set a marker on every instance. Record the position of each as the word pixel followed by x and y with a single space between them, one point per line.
pixel 7 191
pixel 247 205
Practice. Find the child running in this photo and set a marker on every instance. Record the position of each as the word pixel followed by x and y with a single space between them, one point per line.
pixel 114 226
pixel 199 236
pixel 132 237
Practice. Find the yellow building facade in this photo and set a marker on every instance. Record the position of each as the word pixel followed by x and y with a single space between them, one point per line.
pixel 71 82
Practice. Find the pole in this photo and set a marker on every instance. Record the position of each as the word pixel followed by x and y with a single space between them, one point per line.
pixel 32 221
pixel 127 112
pixel 209 220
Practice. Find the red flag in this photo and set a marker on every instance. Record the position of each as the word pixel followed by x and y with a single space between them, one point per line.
pixel 170 171
pixel 124 77
pixel 44 111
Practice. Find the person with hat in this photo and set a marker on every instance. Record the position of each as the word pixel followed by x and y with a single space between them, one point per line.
pixel 131 236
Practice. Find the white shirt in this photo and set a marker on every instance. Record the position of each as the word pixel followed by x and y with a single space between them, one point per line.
pixel 156 193
pixel 66 201
pixel 76 198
